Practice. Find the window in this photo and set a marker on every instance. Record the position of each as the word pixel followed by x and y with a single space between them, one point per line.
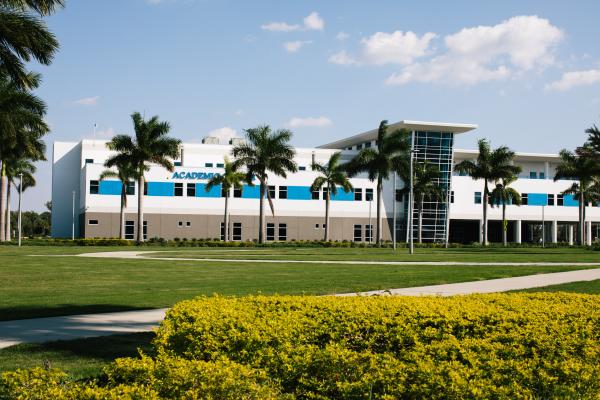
pixel 283 192
pixel 477 198
pixel 94 187
pixel 282 232
pixel 270 231
pixel 368 233
pixel 349 148
pixel 357 233
pixel 208 165
pixel 188 223
pixel 324 226
pixel 179 189
pixel 301 168
pixel 359 146
pixel 357 194
pixel 550 199
pixel 145 188
pixel 237 192
pixel 222 231
pixel 398 195
pixel 177 163
pixel 89 160
pixel 316 226
pixel 191 189
pixel 368 194
pixel 145 230
pixel 92 222
pixel 524 199
pixel 542 175
pixel 532 175
pixel 129 230
pixel 315 195
pixel 130 190
pixel 180 224
pixel 220 165
pixel 367 145
pixel 237 231
pixel 452 196
pixel 324 193
pixel 272 192
pixel 560 199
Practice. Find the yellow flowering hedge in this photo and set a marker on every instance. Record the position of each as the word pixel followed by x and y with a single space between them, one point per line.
pixel 501 346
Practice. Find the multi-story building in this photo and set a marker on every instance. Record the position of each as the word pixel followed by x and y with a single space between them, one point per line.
pixel 176 203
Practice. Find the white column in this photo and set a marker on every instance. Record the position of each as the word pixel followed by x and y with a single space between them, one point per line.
pixel 554 231
pixel 480 231
pixel 518 231
pixel 571 235
pixel 588 233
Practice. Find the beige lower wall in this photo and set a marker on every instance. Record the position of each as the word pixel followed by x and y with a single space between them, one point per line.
pixel 208 226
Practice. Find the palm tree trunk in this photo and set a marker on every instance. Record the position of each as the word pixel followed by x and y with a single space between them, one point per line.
pixel 140 216
pixel 226 218
pixel 504 226
pixel 420 211
pixel 379 206
pixel 327 199
pixel 484 238
pixel 122 216
pixel 581 222
pixel 2 202
pixel 7 234
pixel 261 213
pixel 584 232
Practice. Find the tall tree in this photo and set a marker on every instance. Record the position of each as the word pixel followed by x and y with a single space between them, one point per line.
pixel 332 175
pixel 19 172
pixel 583 170
pixel 125 173
pixel 231 178
pixel 502 195
pixel 262 153
pixel 150 144
pixel 490 166
pixel 390 154
pixel 425 187
pixel 24 37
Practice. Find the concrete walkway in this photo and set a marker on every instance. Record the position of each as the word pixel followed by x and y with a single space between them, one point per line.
pixel 78 326
pixel 146 255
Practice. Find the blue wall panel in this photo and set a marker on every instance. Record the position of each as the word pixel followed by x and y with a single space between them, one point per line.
pixel 161 189
pixel 215 191
pixel 569 201
pixel 299 193
pixel 109 187
pixel 343 196
pixel 537 199
pixel 251 192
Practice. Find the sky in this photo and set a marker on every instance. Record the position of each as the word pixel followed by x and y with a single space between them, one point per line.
pixel 527 73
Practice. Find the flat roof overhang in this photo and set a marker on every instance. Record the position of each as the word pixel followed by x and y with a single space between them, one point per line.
pixel 405 124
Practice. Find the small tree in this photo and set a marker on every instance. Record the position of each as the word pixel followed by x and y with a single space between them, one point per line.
pixel 230 179
pixel 332 176
pixel 502 195
pixel 125 173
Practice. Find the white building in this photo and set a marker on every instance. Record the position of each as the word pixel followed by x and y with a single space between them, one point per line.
pixel 177 204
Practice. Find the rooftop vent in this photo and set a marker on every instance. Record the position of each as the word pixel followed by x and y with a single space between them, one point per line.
pixel 210 140
pixel 236 140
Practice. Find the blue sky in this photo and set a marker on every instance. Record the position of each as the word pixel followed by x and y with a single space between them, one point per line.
pixel 528 73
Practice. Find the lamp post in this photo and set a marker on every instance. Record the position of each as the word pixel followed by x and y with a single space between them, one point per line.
pixel 73 218
pixel 20 195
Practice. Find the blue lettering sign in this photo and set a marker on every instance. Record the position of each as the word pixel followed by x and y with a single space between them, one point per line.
pixel 194 175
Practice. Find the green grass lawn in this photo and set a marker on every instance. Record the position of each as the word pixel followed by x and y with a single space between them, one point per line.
pixel 63 285
pixel 589 287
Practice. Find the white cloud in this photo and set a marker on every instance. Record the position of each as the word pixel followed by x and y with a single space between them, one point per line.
pixel 224 134
pixel 394 48
pixel 87 101
pixel 295 46
pixel 341 58
pixel 309 122
pixel 312 22
pixel 487 53
pixel 572 79
pixel 342 36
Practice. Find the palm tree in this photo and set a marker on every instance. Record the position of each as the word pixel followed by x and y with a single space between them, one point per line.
pixel 491 166
pixel 231 178
pixel 502 195
pixel 582 169
pixel 124 173
pixel 150 145
pixel 262 153
pixel 391 154
pixel 425 186
pixel 332 175
pixel 24 170
pixel 24 37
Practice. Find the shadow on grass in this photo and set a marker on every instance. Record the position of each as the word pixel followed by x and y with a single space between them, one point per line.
pixel 26 312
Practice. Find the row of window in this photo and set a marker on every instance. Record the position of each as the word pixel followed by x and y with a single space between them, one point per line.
pixel 560 199
pixel 235 233
pixel 358 233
